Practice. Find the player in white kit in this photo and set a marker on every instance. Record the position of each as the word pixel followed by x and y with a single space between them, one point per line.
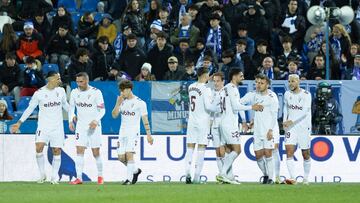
pixel 266 128
pixel 230 106
pixel 89 104
pixel 297 125
pixel 198 127
pixel 132 109
pixel 51 99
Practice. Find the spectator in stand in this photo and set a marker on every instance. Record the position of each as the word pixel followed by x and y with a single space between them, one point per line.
pixel 132 58
pixel 174 73
pixel 292 66
pixel 185 30
pixel 318 70
pixel 8 41
pixel 293 24
pixel 107 28
pixel 233 12
pixel 260 53
pixel 155 28
pixel 272 10
pixel 145 73
pixel 335 72
pixel 354 72
pixel 80 63
pixel 184 54
pixel 165 22
pixel 61 47
pixel 30 7
pixel 62 17
pixel 103 58
pixel 134 17
pixel 245 60
pixel 313 42
pixel 42 25
pixel 230 62
pixel 340 41
pixel 197 21
pixel 87 30
pixel 33 78
pixel 209 64
pixel 159 55
pixel 190 74
pixel 8 7
pixel 257 27
pixel 180 7
pixel 4 114
pixel 267 68
pixel 348 62
pixel 30 43
pixel 288 54
pixel 10 76
pixel 207 8
pixel 242 33
pixel 153 12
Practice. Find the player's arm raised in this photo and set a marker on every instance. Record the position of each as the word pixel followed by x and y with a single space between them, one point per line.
pixel 116 110
pixel 34 102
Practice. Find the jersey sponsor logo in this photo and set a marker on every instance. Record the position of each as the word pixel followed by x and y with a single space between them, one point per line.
pixel 52 104
pixel 295 107
pixel 127 113
pixel 83 104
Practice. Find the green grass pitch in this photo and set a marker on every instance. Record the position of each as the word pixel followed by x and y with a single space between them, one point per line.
pixel 13 192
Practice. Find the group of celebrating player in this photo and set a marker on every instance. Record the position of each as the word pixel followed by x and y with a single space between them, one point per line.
pixel 86 123
pixel 214 112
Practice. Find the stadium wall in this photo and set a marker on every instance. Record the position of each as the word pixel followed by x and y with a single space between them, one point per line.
pixel 334 159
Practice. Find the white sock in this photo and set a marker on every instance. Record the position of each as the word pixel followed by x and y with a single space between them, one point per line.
pixel 130 170
pixel 55 167
pixel 276 159
pixel 79 165
pixel 270 167
pixel 307 167
pixel 228 161
pixel 188 160
pixel 99 165
pixel 219 162
pixel 199 164
pixel 41 164
pixel 291 167
pixel 262 165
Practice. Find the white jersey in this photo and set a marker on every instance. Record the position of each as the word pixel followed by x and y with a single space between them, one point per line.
pixel 230 104
pixel 267 118
pixel 89 106
pixel 215 117
pixel 131 111
pixel 200 104
pixel 297 108
pixel 51 103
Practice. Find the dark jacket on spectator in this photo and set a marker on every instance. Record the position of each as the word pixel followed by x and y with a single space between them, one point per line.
pixel 76 67
pixel 316 72
pixel 178 74
pixel 232 15
pixel 257 25
pixel 87 29
pixel 136 21
pixel 158 60
pixel 33 78
pixel 44 29
pixel 189 77
pixel 102 61
pixel 62 45
pixel 10 76
pixel 131 60
pixel 62 20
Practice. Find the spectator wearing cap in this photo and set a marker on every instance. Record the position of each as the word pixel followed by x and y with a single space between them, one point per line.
pixel 159 55
pixel 293 24
pixel 260 53
pixel 155 28
pixel 232 13
pixel 230 62
pixel 243 56
pixel 190 74
pixel 217 39
pixel 4 114
pixel 30 43
pixel 62 17
pixel 80 63
pixel 145 73
pixel 180 7
pixel 134 17
pixel 288 54
pixel 87 29
pixel 103 58
pixel 107 28
pixel 60 48
pixel 174 72
pixel 10 75
pixel 242 34
pixel 42 25
pixel 196 20
pixel 33 78
pixel 132 58
pixel 185 30
pixel 257 27
pixel 267 68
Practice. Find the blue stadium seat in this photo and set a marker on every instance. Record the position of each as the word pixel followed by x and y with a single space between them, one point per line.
pixel 88 5
pixel 75 18
pixel 49 67
pixel 70 5
pixel 19 33
pixel 23 103
pixel 98 16
pixel 22 66
pixel 8 100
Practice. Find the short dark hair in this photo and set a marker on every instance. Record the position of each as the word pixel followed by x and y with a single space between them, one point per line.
pixel 81 52
pixel 103 39
pixel 207 58
pixel 262 76
pixel 228 53
pixel 82 74
pixel 125 84
pixel 131 36
pixel 286 39
pixel 30 60
pixel 161 35
pixel 262 42
pixel 64 26
pixel 10 55
pixel 320 55
pixel 51 73
pixel 242 41
pixel 219 74
pixel 201 71
pixel 233 72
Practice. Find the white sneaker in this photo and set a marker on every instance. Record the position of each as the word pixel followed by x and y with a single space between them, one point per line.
pixel 41 180
pixel 225 179
pixel 305 182
pixel 235 182
pixel 54 182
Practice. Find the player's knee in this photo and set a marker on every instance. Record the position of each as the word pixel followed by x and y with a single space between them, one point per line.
pixel 122 159
pixel 56 151
pixel 306 155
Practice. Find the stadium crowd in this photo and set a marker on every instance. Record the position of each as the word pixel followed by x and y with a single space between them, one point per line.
pixel 112 40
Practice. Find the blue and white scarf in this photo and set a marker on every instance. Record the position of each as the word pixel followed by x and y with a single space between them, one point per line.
pixel 118 45
pixel 214 41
